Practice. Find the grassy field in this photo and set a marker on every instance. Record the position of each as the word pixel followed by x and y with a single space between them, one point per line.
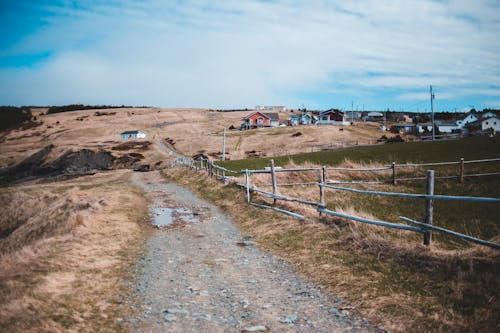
pixel 388 275
pixel 427 151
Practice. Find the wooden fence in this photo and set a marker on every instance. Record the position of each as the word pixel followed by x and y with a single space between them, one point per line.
pixel 425 227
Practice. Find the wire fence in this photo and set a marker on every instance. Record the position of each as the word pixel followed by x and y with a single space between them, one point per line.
pixel 426 227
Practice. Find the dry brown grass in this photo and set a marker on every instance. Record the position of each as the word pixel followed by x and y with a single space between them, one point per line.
pixel 63 267
pixel 385 275
pixel 193 130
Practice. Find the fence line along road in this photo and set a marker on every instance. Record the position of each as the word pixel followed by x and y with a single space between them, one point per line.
pixel 412 195
pixel 429 197
pixel 453 233
pixel 374 222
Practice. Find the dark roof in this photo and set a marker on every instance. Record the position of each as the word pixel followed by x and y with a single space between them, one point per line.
pixel 130 132
pixel 272 116
pixel 332 111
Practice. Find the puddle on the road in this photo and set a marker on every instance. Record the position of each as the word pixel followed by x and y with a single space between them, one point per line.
pixel 164 217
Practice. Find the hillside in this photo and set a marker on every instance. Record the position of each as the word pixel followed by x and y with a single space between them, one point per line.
pixel 190 131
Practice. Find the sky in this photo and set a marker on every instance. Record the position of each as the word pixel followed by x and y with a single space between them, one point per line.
pixel 359 54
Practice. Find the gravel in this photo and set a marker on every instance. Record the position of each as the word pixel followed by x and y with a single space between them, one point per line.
pixel 208 277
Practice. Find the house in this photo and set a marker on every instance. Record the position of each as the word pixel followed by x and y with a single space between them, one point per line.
pixel 132 135
pixel 261 119
pixel 301 119
pixel 441 127
pixel 374 116
pixel 404 128
pixel 332 117
pixel 448 126
pixel 424 127
pixel 469 118
pixel 485 124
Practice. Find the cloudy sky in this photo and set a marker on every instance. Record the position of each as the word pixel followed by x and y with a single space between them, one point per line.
pixel 372 54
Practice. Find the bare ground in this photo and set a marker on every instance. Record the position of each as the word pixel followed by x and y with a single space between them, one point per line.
pixel 195 277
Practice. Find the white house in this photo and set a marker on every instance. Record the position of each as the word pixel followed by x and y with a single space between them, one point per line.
pixel 449 126
pixel 132 135
pixel 491 123
pixel 470 118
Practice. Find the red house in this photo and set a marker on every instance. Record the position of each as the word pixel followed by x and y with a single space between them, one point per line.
pixel 261 119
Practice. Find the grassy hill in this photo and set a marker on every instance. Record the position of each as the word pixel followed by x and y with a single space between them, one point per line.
pixel 425 151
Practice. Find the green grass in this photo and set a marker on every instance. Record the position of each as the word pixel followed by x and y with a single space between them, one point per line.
pixel 438 151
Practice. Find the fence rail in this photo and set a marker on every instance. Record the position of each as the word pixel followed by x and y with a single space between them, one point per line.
pixel 425 228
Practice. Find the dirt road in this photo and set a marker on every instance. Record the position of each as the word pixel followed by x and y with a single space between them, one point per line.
pixel 201 275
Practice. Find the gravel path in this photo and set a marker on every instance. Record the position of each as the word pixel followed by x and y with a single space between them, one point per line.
pixel 206 276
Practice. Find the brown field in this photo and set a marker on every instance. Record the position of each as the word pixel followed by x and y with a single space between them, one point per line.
pixel 66 262
pixel 192 130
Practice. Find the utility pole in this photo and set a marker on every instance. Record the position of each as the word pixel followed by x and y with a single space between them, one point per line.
pixel 432 115
pixel 224 145
pixel 352 110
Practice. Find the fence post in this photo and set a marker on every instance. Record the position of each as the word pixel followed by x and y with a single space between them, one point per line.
pixel 201 163
pixel 393 173
pixel 322 180
pixel 462 167
pixel 247 185
pixel 273 181
pixel 429 205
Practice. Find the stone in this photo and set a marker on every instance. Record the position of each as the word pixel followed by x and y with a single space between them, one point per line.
pixel 246 243
pixel 177 311
pixel 258 328
pixel 335 312
pixel 170 318
pixel 289 319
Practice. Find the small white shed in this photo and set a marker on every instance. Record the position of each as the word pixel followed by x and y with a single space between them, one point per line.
pixel 132 135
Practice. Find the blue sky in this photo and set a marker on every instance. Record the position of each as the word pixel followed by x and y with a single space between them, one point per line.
pixel 373 54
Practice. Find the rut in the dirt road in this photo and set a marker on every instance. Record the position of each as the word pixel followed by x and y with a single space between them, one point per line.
pixel 201 277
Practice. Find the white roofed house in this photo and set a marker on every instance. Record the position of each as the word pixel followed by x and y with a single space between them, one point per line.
pixel 132 135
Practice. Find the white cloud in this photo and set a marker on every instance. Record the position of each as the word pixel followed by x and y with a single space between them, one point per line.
pixel 243 53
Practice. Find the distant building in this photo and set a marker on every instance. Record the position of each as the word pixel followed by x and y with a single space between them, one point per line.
pixel 132 135
pixel 270 107
pixel 301 119
pixel 407 128
pixel 374 116
pixel 469 118
pixel 261 119
pixel 485 124
pixel 449 126
pixel 332 117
